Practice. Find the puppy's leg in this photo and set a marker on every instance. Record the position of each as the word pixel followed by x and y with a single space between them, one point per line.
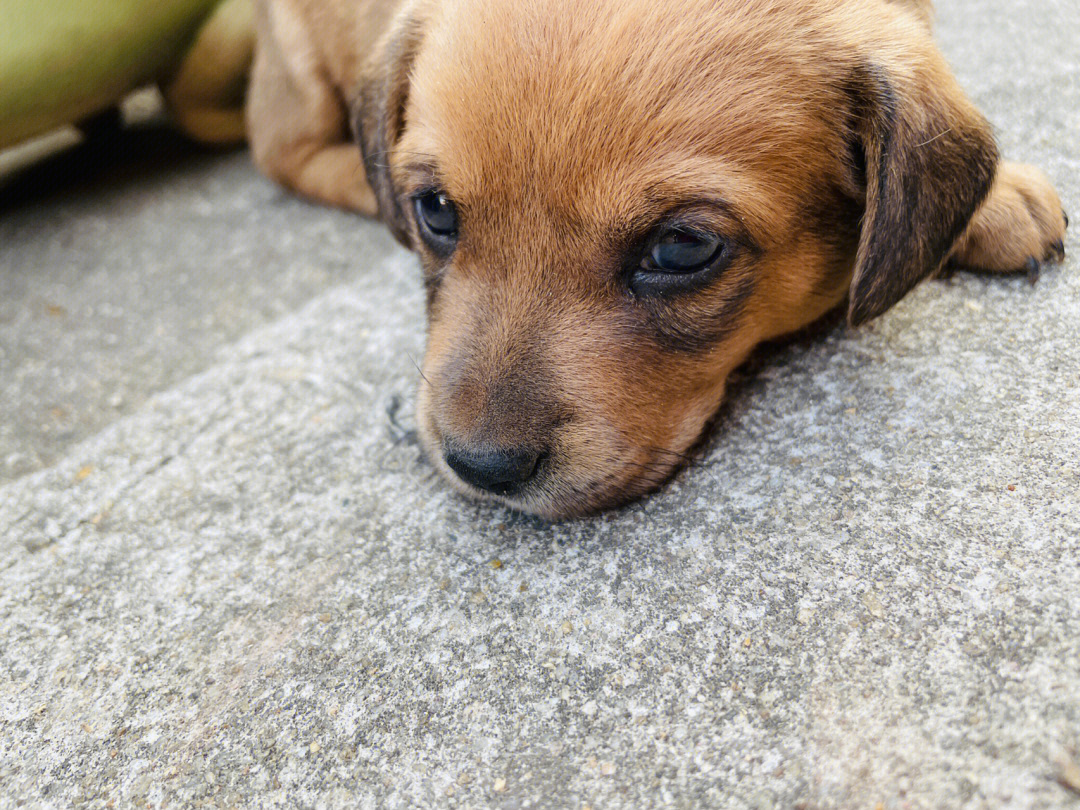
pixel 297 121
pixel 1019 225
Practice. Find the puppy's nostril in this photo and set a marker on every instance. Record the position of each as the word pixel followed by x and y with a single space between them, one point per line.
pixel 495 470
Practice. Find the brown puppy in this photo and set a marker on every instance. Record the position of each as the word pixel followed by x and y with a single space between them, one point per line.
pixel 615 200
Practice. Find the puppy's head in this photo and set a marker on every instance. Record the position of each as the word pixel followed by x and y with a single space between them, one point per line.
pixel 615 200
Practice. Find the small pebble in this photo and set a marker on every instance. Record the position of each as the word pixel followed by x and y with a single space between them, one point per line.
pixel 873 605
pixel 1069 774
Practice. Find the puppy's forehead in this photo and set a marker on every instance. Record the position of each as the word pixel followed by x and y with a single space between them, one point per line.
pixel 570 102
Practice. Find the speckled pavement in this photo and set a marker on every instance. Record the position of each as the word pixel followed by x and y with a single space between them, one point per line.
pixel 237 585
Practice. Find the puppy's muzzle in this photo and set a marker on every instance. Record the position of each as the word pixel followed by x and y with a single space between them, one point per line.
pixel 500 471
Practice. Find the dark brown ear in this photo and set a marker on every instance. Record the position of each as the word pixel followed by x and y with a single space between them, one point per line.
pixel 379 117
pixel 930 159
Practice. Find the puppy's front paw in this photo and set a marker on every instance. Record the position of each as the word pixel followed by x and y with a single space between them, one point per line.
pixel 1019 226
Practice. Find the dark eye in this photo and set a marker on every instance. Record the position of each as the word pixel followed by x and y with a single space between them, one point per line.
pixel 679 259
pixel 678 251
pixel 437 215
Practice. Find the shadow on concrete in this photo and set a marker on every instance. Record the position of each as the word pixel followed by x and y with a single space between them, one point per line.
pixel 109 154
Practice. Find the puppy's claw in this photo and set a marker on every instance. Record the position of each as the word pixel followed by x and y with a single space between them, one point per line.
pixel 1057 251
pixel 1033 268
pixel 1065 217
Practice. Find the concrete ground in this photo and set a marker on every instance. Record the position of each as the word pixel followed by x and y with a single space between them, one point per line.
pixel 227 579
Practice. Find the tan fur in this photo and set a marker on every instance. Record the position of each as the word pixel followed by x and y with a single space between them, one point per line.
pixel 827 138
pixel 206 96
pixel 1020 221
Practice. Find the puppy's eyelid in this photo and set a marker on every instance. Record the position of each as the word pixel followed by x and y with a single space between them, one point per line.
pixel 420 166
pixel 416 178
pixel 701 216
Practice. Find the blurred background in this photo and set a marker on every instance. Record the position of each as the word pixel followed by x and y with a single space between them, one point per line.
pixel 74 71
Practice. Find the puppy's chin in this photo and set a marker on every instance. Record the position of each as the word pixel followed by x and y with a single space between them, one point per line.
pixel 568 485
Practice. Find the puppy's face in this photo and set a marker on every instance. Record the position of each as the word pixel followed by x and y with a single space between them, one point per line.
pixel 615 201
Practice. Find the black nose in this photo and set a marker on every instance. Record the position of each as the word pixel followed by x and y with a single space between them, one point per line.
pixel 500 471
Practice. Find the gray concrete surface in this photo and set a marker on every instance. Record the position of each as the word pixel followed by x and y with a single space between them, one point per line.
pixel 241 587
pixel 114 290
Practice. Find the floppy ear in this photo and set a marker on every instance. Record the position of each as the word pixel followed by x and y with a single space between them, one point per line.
pixel 379 117
pixel 930 159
